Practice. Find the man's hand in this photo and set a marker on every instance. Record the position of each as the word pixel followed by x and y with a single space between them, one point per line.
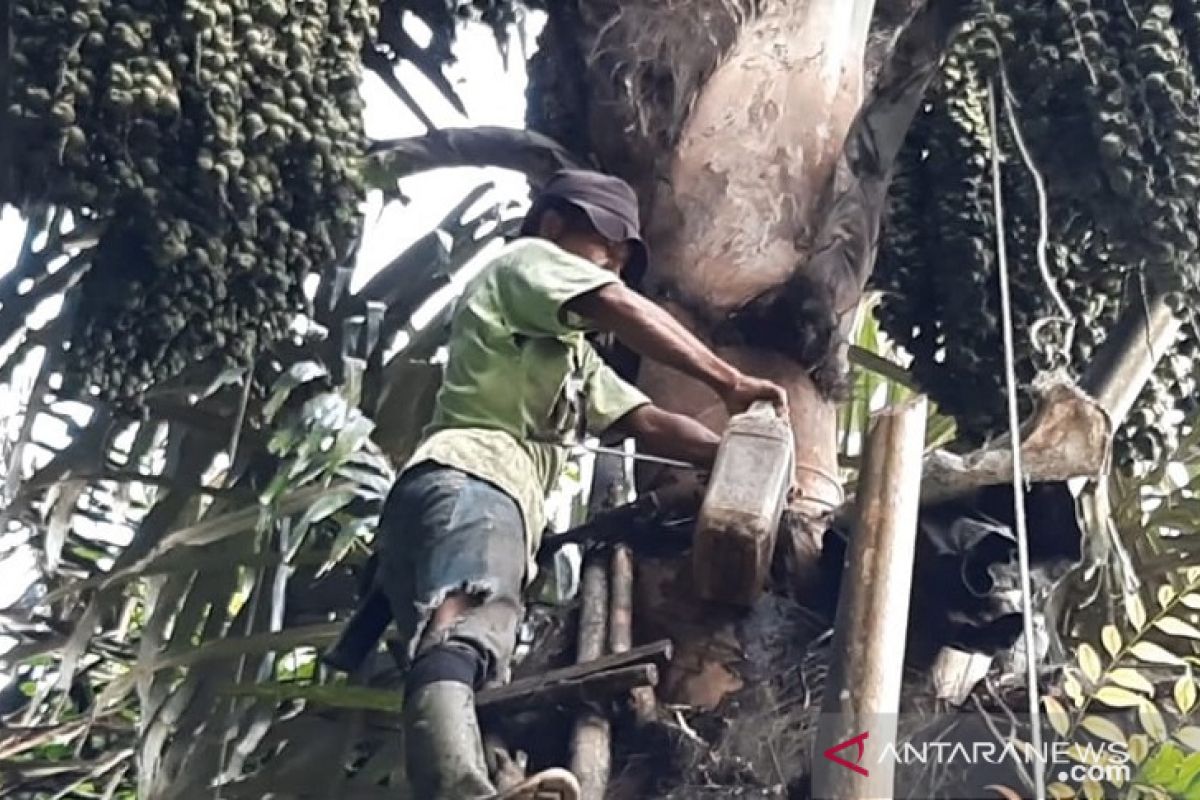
pixel 746 389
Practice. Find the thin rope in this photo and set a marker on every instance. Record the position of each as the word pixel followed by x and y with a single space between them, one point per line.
pixel 1039 185
pixel 1014 425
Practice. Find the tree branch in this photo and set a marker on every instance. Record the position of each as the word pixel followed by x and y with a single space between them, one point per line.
pixel 531 153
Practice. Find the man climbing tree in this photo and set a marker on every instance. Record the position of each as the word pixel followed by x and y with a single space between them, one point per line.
pixel 463 522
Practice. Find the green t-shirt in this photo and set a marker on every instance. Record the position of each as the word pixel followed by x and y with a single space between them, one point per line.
pixel 521 379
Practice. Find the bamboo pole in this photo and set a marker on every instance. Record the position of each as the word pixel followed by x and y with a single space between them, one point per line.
pixel 862 694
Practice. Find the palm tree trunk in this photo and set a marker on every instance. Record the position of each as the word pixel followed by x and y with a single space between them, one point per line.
pixel 731 125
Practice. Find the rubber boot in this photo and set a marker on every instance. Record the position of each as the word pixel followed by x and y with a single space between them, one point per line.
pixel 550 784
pixel 442 745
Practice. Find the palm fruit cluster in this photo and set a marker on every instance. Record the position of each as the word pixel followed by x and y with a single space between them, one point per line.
pixel 217 143
pixel 1105 94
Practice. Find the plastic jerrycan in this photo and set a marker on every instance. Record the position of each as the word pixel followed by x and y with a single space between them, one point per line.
pixel 739 517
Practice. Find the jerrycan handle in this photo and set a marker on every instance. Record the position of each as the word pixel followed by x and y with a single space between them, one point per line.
pixel 762 408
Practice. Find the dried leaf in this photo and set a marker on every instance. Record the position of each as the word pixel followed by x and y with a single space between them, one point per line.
pixel 1166 595
pixel 1132 679
pixel 1117 697
pixel 1003 791
pixel 1177 627
pixel 1103 728
pixel 1089 662
pixel 1060 791
pixel 62 511
pixel 117 690
pixel 1135 611
pixel 1057 715
pixel 1153 653
pixel 1189 736
pixel 1111 638
pixel 1185 693
pixel 1152 721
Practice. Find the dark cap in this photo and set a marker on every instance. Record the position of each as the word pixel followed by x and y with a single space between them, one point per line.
pixel 609 203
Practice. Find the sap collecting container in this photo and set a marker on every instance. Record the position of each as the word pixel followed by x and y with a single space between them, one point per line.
pixel 738 520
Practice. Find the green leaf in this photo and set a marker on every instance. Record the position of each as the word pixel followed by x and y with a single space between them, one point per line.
pixel 1057 715
pixel 351 697
pixel 1166 595
pixel 1187 777
pixel 1103 728
pixel 1177 627
pixel 1117 697
pixel 863 357
pixel 1152 720
pixel 1135 611
pixel 1131 679
pixel 1111 638
pixel 1192 601
pixel 1162 767
pixel 1185 693
pixel 1093 790
pixel 297 375
pixel 349 533
pixel 351 437
pixel 1089 662
pixel 325 506
pixel 1153 653
pixel 379 485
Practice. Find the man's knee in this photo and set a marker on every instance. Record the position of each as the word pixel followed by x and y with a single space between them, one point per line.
pixel 484 626
pixel 453 660
pixel 452 610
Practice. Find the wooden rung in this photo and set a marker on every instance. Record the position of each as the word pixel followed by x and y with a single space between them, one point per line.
pixel 566 684
pixel 545 690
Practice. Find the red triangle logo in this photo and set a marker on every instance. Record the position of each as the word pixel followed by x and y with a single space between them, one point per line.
pixel 832 752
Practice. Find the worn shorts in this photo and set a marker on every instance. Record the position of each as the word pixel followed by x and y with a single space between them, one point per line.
pixel 444 531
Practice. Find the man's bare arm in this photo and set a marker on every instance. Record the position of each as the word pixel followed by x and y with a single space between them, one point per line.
pixel 651 332
pixel 662 433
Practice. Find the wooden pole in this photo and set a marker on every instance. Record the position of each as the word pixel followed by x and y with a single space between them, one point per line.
pixel 591 758
pixel 591 744
pixel 1123 364
pixel 862 692
pixel 620 621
